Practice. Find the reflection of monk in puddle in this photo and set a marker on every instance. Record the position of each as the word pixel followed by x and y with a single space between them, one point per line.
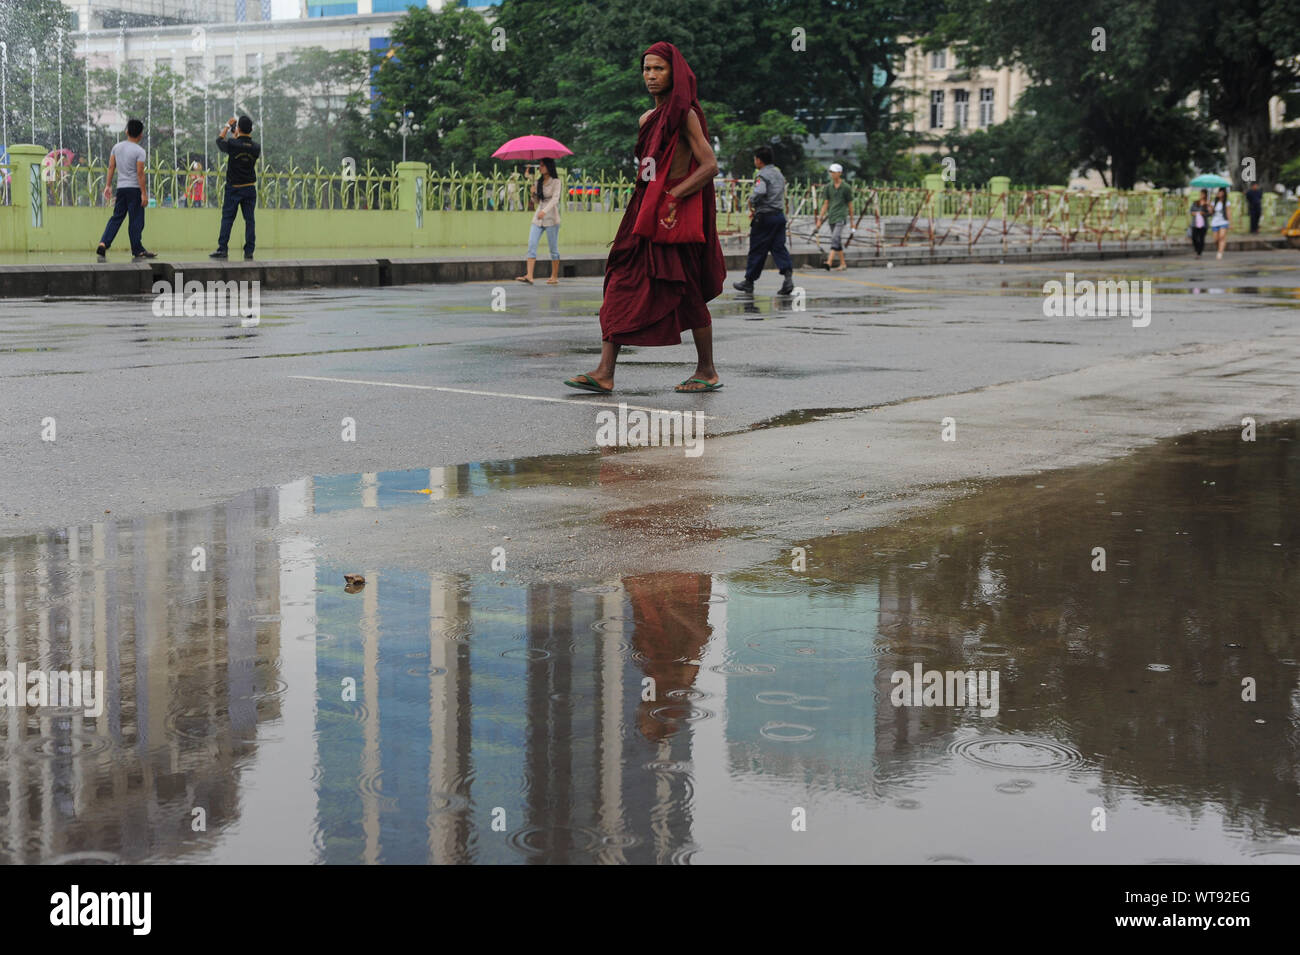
pixel 672 627
pixel 684 518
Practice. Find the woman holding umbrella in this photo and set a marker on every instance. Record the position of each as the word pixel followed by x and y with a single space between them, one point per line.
pixel 1219 221
pixel 546 196
pixel 547 219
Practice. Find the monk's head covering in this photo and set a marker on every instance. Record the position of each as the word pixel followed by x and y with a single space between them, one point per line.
pixel 659 130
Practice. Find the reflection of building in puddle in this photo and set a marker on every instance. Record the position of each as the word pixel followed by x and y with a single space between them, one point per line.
pixel 480 701
pixel 186 680
pixel 795 666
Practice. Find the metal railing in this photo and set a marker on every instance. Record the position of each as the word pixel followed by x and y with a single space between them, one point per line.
pixel 885 214
pixel 1023 219
pixel 294 187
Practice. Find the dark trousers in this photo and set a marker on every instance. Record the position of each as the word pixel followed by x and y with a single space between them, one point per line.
pixel 767 234
pixel 1254 220
pixel 245 200
pixel 128 204
pixel 1198 239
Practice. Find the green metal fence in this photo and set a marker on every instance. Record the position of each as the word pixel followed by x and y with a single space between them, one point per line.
pixel 291 187
pixel 885 214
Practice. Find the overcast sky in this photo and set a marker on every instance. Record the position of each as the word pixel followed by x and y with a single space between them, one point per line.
pixel 280 9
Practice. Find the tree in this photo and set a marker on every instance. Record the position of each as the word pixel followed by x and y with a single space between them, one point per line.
pixel 1113 68
pixel 442 67
pixel 1248 52
pixel 802 58
pixel 316 105
pixel 737 140
pixel 46 27
pixel 1029 148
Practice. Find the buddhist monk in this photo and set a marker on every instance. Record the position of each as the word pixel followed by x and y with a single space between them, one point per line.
pixel 655 290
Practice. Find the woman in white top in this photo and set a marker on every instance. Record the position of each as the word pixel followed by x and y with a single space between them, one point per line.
pixel 1219 221
pixel 547 220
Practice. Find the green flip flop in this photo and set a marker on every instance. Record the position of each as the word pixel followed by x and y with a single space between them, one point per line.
pixel 708 386
pixel 587 383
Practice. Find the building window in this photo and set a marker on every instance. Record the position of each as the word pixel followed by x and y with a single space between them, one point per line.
pixel 986 107
pixel 936 109
pixel 939 60
pixel 251 64
pixel 223 66
pixel 960 108
pixel 194 68
pixel 332 8
pixel 135 67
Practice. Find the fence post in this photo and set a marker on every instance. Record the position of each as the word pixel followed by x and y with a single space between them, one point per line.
pixel 934 184
pixel 27 191
pixel 412 180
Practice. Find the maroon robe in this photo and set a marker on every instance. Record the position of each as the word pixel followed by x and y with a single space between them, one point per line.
pixel 655 291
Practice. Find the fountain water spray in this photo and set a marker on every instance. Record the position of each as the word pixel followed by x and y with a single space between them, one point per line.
pixel 4 94
pixel 234 83
pixel 89 158
pixel 60 94
pixel 121 55
pixel 175 131
pixel 33 53
pixel 261 116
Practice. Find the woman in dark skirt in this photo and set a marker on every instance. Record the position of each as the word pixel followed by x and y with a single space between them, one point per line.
pixel 655 290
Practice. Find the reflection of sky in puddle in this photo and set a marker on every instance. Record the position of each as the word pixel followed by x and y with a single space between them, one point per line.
pixel 482 697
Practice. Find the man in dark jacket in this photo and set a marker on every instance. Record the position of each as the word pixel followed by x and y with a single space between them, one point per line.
pixel 241 183
pixel 1254 205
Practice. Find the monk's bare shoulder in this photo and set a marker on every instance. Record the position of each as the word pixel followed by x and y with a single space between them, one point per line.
pixel 693 127
pixel 644 117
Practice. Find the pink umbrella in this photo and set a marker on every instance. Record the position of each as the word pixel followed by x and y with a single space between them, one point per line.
pixel 532 147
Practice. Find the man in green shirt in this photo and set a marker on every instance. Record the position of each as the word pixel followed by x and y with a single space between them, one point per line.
pixel 837 209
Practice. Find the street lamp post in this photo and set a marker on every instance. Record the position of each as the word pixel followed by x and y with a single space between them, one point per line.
pixel 406 128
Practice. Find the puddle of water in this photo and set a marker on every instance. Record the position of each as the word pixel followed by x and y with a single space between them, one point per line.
pixel 1165 285
pixel 477 718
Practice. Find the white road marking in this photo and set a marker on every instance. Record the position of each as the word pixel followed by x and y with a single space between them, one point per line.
pixel 493 394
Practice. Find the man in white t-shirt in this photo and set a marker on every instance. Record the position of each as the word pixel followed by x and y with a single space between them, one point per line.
pixel 127 162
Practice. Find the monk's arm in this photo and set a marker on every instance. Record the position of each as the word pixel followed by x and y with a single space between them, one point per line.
pixel 703 153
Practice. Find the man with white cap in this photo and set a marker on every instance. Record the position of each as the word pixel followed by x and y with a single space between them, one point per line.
pixel 837 209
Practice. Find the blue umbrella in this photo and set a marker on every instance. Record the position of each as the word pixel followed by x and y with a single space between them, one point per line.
pixel 1209 180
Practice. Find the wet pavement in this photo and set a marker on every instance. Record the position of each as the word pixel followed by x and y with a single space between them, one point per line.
pixel 565 653
pixel 679 717
pixel 432 376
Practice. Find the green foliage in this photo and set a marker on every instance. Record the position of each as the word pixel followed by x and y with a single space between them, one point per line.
pixel 1032 149
pixel 886 158
pixel 1122 102
pixel 738 139
pixel 36 24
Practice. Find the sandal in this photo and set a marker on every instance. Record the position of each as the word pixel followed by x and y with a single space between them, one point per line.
pixel 523 278
pixel 708 386
pixel 587 383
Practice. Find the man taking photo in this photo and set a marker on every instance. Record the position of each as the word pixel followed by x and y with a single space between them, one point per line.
pixel 241 184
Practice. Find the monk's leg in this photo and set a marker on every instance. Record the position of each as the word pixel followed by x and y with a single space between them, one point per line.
pixel 604 373
pixel 704 370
